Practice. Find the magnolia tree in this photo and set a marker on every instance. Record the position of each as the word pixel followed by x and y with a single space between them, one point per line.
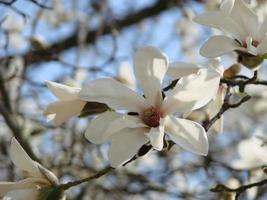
pixel 105 100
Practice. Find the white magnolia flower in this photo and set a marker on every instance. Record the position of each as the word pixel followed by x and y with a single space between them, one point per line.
pixel 151 115
pixel 235 18
pixel 252 154
pixel 215 72
pixel 67 105
pixel 38 177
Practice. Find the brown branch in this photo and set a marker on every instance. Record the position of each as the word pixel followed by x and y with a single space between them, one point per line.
pixel 238 191
pixel 48 54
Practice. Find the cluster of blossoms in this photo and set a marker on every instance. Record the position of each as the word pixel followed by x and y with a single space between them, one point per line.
pixel 129 120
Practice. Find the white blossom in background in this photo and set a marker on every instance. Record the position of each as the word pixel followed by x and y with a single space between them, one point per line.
pixel 246 32
pixel 252 154
pixel 215 71
pixel 152 116
pixel 67 105
pixel 37 177
pixel 14 25
pixel 258 104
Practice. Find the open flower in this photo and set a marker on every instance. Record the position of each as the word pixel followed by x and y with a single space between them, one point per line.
pixel 150 116
pixel 247 34
pixel 214 71
pixel 37 179
pixel 68 104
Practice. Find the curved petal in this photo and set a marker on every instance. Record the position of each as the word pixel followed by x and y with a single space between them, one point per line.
pixel 192 92
pixel 219 20
pixel 95 132
pixel 114 94
pixel 61 111
pixel 24 194
pixel 214 108
pixel 21 159
pixel 218 45
pixel 125 121
pixel 156 136
pixel 150 67
pixel 227 6
pixel 262 48
pixel 188 134
pixel 180 69
pixel 63 92
pixel 244 16
pixel 263 30
pixel 5 187
pixel 125 145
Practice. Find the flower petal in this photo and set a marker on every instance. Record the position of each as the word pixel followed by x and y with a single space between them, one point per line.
pixel 150 67
pixel 218 45
pixel 188 134
pixel 156 136
pixel 5 187
pixel 227 6
pixel 114 94
pixel 63 92
pixel 244 16
pixel 24 194
pixel 263 30
pixel 61 111
pixel 192 92
pixel 97 128
pixel 180 69
pixel 262 48
pixel 214 108
pixel 125 145
pixel 220 20
pixel 21 159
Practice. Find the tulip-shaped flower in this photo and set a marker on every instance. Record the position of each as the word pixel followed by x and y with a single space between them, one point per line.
pixel 247 33
pixel 37 179
pixel 68 104
pixel 214 71
pixel 149 116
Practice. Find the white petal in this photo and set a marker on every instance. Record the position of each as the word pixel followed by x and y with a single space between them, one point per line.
pixel 180 69
pixel 125 76
pixel 263 30
pixel 214 108
pixel 227 6
pixel 21 159
pixel 61 111
pixel 188 134
pixel 150 67
pixel 124 121
pixel 245 17
pixel 125 145
pixel 63 92
pixel 156 136
pixel 95 132
pixel 218 45
pixel 220 21
pixel 114 94
pixel 262 48
pixel 192 92
pixel 24 194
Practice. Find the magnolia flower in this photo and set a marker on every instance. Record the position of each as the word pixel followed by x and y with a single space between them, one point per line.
pixel 214 72
pixel 247 34
pixel 252 154
pixel 68 104
pixel 37 179
pixel 152 115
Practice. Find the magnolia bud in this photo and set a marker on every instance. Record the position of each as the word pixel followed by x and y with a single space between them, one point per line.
pixel 232 71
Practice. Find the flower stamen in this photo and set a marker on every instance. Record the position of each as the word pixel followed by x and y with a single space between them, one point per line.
pixel 151 117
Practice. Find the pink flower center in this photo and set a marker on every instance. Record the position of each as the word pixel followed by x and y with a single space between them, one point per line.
pixel 151 117
pixel 254 43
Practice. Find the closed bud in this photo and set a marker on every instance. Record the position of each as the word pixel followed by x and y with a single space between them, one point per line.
pixel 232 71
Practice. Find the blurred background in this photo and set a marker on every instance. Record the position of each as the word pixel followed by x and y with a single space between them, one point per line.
pixel 74 41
